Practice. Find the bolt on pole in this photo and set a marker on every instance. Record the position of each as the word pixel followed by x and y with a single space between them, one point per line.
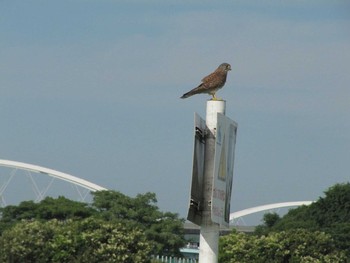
pixel 209 231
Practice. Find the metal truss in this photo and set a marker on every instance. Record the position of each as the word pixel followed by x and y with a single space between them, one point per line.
pixel 238 216
pixel 34 173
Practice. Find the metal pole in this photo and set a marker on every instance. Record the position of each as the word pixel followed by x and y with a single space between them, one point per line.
pixel 209 232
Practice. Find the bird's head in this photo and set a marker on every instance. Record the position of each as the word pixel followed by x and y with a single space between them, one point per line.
pixel 225 67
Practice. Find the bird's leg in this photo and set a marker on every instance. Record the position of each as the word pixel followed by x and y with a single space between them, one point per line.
pixel 215 98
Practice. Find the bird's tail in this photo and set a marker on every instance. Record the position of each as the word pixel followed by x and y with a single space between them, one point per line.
pixel 192 92
pixel 186 95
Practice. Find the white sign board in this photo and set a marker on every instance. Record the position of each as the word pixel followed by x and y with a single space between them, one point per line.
pixel 225 142
pixel 196 199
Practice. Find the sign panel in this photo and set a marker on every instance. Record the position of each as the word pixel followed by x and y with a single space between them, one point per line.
pixel 225 142
pixel 196 196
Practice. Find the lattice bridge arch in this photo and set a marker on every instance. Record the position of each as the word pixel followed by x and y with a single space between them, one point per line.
pixel 82 186
pixel 236 216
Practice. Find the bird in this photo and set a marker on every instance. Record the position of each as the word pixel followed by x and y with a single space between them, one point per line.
pixel 211 83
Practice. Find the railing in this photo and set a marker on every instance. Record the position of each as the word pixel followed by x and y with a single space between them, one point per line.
pixel 166 259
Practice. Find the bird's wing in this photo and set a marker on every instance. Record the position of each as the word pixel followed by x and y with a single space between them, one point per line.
pixel 199 89
pixel 209 78
pixel 214 80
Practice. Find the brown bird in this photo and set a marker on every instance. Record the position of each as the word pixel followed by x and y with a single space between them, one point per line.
pixel 211 83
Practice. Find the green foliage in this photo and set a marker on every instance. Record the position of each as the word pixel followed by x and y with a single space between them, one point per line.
pixel 316 233
pixel 50 208
pixel 25 210
pixel 334 207
pixel 164 230
pixel 12 214
pixel 63 209
pixel 115 205
pixel 25 242
pixel 60 208
pixel 296 218
pixel 341 235
pixel 270 219
pixel 298 245
pixel 236 247
pixel 80 232
pixel 329 214
pixel 89 240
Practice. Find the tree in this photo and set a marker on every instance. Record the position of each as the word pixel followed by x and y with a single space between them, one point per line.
pixel 298 245
pixel 164 230
pixel 237 247
pixel 62 208
pixel 329 214
pixel 26 242
pixel 13 214
pixel 59 208
pixel 85 241
pixel 332 209
pixel 299 217
pixel 25 210
pixel 341 235
pixel 269 219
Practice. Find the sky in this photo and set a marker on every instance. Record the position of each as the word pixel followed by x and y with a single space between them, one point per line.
pixel 91 88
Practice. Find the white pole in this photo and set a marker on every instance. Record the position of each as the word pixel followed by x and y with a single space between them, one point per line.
pixel 209 232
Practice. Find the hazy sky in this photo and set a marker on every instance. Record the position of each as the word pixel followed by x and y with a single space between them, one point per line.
pixel 92 88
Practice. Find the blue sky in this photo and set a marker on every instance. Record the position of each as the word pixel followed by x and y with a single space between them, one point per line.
pixel 92 88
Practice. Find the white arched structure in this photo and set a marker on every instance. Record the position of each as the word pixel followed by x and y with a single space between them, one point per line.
pixel 30 168
pixel 63 176
pixel 261 208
